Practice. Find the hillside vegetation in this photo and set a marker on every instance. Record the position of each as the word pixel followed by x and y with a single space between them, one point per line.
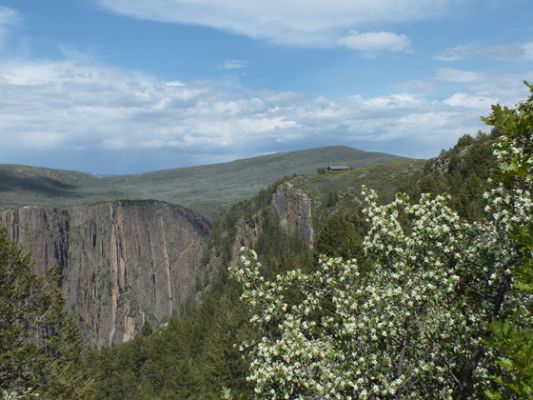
pixel 209 190
pixel 22 185
pixel 195 357
pixel 422 295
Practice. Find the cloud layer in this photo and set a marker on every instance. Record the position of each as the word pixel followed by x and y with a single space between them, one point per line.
pixel 313 23
pixel 67 106
pixel 511 52
pixel 231 65
pixel 375 41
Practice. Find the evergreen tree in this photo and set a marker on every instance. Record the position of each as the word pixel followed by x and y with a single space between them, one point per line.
pixel 39 343
pixel 342 234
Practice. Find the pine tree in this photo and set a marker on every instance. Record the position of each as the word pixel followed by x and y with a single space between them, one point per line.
pixel 39 343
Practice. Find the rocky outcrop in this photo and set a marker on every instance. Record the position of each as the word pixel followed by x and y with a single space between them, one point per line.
pixel 294 209
pixel 128 262
pixel 121 263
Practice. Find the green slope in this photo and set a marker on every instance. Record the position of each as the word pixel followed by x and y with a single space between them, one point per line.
pixel 209 190
pixel 386 178
pixel 194 357
pixel 23 185
pixel 212 189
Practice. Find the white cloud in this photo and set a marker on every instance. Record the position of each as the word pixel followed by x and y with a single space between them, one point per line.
pixel 458 76
pixel 375 41
pixel 69 106
pixel 231 65
pixel 8 18
pixel 511 52
pixel 477 90
pixel 291 22
pixel 464 100
pixel 399 101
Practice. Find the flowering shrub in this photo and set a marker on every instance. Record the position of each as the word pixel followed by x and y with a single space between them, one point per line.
pixel 25 395
pixel 512 337
pixel 411 327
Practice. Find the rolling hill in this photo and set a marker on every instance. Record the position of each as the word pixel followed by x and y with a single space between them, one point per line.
pixel 209 189
pixel 22 185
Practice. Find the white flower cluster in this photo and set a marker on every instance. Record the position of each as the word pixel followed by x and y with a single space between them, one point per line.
pixel 514 151
pixel 407 327
pixel 27 394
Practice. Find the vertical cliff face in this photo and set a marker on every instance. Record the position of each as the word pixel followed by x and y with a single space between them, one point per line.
pixel 122 263
pixel 125 263
pixel 294 209
pixel 247 224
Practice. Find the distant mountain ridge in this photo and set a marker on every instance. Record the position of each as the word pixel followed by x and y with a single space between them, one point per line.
pixel 208 189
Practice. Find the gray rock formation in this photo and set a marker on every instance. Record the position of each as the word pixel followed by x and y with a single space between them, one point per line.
pixel 128 262
pixel 122 263
pixel 294 209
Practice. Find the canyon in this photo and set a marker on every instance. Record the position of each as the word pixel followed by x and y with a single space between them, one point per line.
pixel 122 263
pixel 125 263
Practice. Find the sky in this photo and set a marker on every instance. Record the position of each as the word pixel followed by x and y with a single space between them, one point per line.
pixel 126 86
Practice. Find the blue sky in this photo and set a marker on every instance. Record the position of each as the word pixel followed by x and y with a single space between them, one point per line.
pixel 124 86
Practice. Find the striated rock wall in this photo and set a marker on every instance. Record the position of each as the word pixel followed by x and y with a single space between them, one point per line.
pixel 122 263
pixel 127 262
pixel 294 209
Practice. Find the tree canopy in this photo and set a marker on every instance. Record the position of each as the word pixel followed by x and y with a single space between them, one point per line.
pixel 39 343
pixel 416 323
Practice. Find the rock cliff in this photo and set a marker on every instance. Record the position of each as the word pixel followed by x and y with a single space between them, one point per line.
pixel 129 262
pixel 122 263
pixel 283 208
pixel 294 209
